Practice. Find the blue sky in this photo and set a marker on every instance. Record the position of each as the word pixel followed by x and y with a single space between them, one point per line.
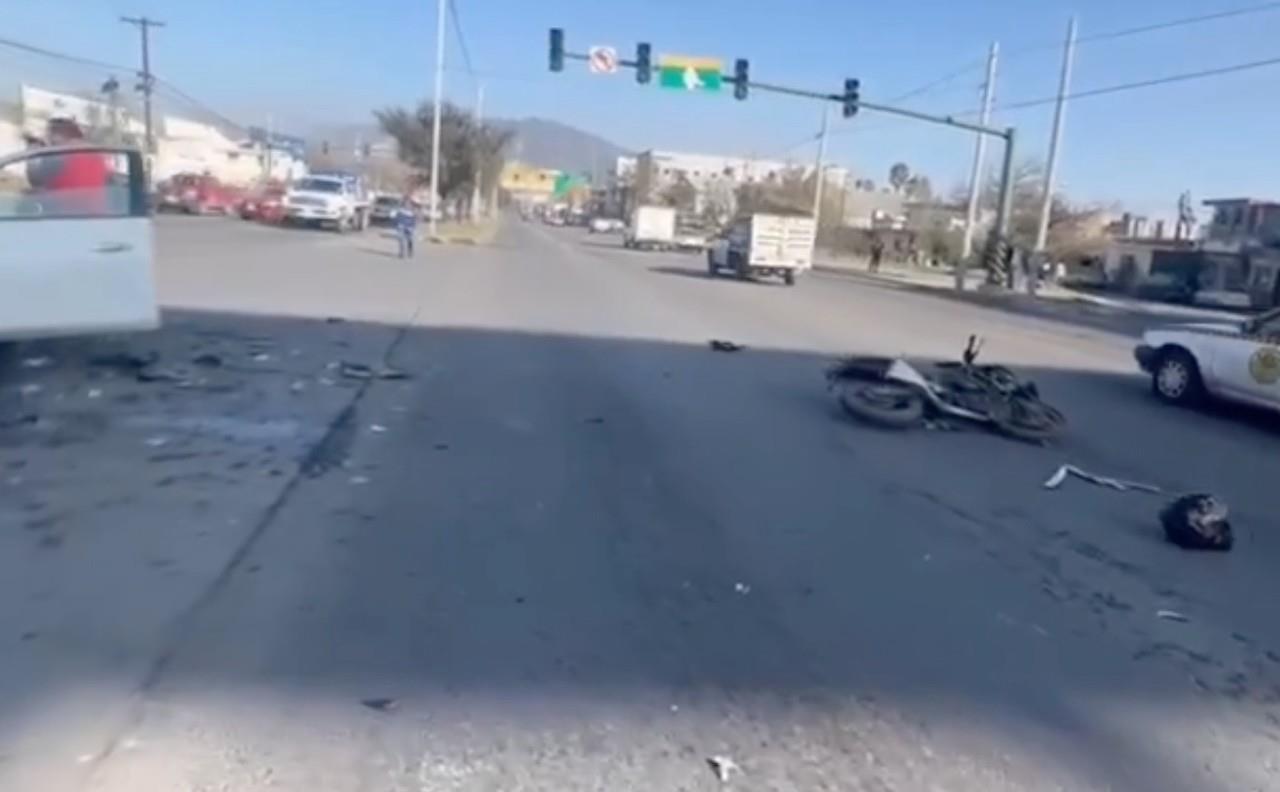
pixel 330 61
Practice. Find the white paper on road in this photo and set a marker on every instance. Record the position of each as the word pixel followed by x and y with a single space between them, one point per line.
pixel 1056 480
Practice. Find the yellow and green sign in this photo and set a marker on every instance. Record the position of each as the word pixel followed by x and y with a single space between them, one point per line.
pixel 683 73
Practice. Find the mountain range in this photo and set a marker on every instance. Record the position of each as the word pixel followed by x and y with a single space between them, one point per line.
pixel 551 144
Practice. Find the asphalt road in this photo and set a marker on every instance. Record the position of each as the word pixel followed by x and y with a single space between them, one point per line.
pixel 579 550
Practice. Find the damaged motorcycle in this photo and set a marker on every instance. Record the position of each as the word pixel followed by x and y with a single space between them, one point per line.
pixel 894 393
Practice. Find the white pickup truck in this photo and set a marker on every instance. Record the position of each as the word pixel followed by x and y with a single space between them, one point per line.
pixel 336 201
pixel 764 244
pixel 1237 361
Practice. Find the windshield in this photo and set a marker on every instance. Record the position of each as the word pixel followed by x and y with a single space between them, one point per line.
pixel 318 185
pixel 614 419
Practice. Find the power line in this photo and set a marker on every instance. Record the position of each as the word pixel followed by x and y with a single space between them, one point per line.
pixel 1151 28
pixel 943 80
pixel 1172 78
pixel 1103 36
pixel 462 41
pixel 18 45
pixel 97 64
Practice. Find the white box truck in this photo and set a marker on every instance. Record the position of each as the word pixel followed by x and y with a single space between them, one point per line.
pixel 764 244
pixel 651 228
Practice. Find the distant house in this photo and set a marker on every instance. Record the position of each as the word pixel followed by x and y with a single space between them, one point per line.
pixel 1239 224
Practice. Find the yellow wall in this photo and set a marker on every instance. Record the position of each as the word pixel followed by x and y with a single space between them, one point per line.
pixel 520 178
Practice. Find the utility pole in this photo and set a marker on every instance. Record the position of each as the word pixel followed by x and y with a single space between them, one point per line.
pixel 979 156
pixel 480 154
pixel 144 26
pixel 1055 141
pixel 818 168
pixel 432 222
pixel 1004 209
pixel 268 152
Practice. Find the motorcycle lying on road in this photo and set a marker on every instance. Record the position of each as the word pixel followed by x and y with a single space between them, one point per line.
pixel 892 392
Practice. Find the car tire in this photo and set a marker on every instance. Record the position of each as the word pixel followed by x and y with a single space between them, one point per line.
pixel 711 264
pixel 1176 379
pixel 789 278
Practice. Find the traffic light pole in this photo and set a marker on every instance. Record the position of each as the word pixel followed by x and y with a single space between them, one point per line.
pixel 1003 207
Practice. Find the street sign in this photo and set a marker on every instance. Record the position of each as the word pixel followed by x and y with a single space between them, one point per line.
pixel 689 74
pixel 602 60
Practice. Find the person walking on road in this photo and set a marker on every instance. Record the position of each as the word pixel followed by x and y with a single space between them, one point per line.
pixel 406 220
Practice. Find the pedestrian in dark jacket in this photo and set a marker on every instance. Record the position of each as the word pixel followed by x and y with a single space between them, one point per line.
pixel 406 221
pixel 877 253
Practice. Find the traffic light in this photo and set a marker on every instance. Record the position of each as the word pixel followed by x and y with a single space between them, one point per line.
pixel 557 49
pixel 740 78
pixel 851 97
pixel 644 66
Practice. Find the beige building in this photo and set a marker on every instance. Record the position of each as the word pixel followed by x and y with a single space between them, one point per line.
pixel 527 185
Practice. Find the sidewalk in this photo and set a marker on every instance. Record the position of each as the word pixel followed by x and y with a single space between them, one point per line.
pixel 943 281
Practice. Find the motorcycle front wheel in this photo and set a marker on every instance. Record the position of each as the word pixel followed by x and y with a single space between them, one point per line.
pixel 888 404
pixel 1027 419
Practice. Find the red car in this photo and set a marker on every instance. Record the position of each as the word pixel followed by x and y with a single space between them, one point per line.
pixel 266 205
pixel 196 194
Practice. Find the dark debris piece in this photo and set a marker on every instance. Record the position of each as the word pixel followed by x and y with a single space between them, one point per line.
pixel 381 704
pixel 720 345
pixel 208 360
pixel 129 361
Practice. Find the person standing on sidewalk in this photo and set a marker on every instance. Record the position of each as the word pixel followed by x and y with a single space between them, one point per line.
pixel 406 220
pixel 877 253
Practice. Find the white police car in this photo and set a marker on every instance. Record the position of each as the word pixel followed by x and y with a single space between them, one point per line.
pixel 1237 361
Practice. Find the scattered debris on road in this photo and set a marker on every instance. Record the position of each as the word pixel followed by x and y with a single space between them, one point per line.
pixel 359 480
pixel 596 420
pixel 360 371
pixel 38 362
pixel 1193 522
pixel 154 373
pixel 742 588
pixel 1056 480
pixel 377 428
pixel 720 345
pixel 1197 522
pixel 1170 615
pixel 380 704
pixel 207 360
pixel 128 361
pixel 723 767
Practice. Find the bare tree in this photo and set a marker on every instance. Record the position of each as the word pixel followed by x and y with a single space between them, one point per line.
pixel 680 194
pixel 470 153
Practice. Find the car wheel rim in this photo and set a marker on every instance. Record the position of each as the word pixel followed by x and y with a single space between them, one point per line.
pixel 1173 379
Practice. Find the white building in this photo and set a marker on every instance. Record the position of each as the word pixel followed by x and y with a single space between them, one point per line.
pixel 655 170
pixel 182 145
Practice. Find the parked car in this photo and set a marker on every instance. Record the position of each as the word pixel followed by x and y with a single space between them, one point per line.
pixel 606 225
pixel 194 193
pixel 265 205
pixel 384 209
pixel 1235 361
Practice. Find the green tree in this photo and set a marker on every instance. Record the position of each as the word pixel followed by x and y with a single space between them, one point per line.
pixel 899 175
